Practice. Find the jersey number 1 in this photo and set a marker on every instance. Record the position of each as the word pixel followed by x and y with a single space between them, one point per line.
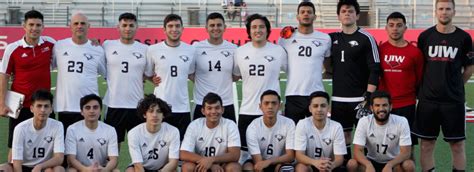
pixel 342 56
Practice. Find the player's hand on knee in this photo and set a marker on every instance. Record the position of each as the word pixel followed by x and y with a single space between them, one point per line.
pixel 387 169
pixel 259 166
pixel 205 164
pixel 37 168
pixel 370 168
pixel 216 168
pixel 323 164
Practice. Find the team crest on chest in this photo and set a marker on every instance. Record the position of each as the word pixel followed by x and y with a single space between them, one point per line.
pixel 184 58
pixel 29 142
pixel 88 56
pixel 316 43
pixel 269 58
pixel 353 43
pixel 279 137
pixel 162 143
pixel 102 141
pixel 137 55
pixel 48 139
pixel 328 141
pixel 225 53
pixel 391 136
pixel 45 49
pixel 219 139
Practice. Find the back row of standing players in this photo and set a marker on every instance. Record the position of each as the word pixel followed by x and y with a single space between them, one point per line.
pixel 352 56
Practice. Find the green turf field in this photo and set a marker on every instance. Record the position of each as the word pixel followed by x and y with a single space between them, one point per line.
pixel 442 152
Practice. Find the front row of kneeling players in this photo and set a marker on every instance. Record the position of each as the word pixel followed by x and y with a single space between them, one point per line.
pixel 212 143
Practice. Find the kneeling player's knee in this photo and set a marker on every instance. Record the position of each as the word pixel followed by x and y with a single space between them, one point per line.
pixel 352 165
pixel 188 166
pixel 301 168
pixel 59 168
pixel 248 166
pixel 408 165
pixel 70 169
pixel 233 166
pixel 6 167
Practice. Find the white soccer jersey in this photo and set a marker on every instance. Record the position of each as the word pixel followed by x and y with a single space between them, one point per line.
pixel 153 150
pixel 306 53
pixel 270 142
pixel 210 142
pixel 78 68
pixel 382 142
pixel 126 67
pixel 91 146
pixel 260 71
pixel 173 65
pixel 320 143
pixel 36 146
pixel 214 64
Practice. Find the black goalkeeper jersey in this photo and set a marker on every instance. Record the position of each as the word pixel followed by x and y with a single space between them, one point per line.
pixel 445 56
pixel 355 61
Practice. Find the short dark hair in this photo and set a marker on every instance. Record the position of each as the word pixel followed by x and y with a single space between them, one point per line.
pixel 380 94
pixel 33 14
pixel 454 4
pixel 172 17
pixel 270 92
pixel 211 98
pixel 42 94
pixel 397 15
pixel 215 15
pixel 353 3
pixel 255 17
pixel 150 101
pixel 305 4
pixel 86 99
pixel 319 94
pixel 127 16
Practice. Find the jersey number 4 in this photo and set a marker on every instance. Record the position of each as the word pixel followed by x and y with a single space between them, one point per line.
pixel 90 154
